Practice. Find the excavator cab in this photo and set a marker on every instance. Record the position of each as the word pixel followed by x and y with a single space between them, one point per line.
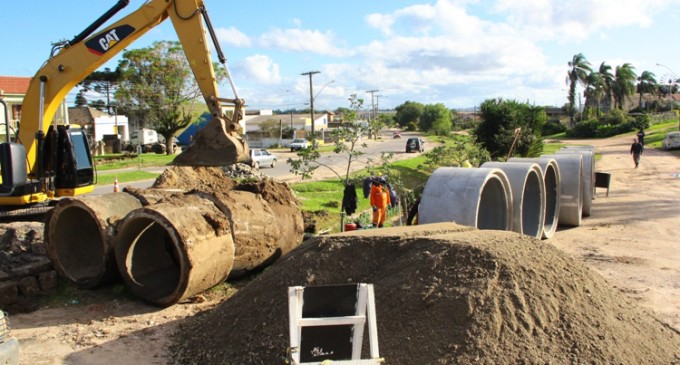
pixel 69 162
pixel 64 166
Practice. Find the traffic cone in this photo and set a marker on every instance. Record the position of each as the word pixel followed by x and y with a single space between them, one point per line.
pixel 116 188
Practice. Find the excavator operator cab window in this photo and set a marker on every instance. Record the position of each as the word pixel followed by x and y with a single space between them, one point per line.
pixel 82 164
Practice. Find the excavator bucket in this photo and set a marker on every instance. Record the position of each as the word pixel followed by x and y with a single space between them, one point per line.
pixel 214 145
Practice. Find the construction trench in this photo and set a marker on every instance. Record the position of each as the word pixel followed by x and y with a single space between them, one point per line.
pixel 195 227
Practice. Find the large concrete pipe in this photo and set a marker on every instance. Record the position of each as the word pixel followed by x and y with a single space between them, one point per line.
pixel 528 196
pixel 79 235
pixel 571 192
pixel 175 249
pixel 479 197
pixel 551 181
pixel 588 177
pixel 592 156
pixel 258 241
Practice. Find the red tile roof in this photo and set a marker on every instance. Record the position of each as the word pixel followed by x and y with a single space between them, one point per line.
pixel 14 84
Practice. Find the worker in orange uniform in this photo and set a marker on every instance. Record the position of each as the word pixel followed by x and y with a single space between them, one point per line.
pixel 380 200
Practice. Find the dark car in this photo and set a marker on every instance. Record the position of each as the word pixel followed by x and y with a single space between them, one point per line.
pixel 415 145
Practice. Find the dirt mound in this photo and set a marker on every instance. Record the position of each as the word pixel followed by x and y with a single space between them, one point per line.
pixel 444 295
pixel 194 178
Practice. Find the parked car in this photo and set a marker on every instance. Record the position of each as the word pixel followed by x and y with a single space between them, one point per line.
pixel 260 157
pixel 299 144
pixel 396 135
pixel 671 141
pixel 415 144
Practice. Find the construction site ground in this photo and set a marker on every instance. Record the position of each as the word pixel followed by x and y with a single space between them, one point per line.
pixel 630 240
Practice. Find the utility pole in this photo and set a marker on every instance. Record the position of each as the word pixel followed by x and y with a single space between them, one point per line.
pixel 372 103
pixel 311 102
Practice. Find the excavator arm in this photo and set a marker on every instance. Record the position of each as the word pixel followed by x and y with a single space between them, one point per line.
pixel 217 144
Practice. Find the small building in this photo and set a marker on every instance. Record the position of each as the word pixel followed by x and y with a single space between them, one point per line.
pixel 266 130
pixel 100 127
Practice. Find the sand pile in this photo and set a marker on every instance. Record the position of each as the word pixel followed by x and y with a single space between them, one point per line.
pixel 444 295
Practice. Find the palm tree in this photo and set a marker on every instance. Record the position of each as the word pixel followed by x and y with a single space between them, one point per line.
pixel 646 84
pixel 624 84
pixel 578 72
pixel 595 89
pixel 607 77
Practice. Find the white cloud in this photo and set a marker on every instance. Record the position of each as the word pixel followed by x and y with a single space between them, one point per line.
pixel 233 37
pixel 261 69
pixel 576 19
pixel 302 40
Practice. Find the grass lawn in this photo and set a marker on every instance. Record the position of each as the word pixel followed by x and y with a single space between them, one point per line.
pixel 656 133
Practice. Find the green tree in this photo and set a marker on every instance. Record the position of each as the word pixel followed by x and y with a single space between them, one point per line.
pixel 605 72
pixel 409 112
pixel 375 125
pixel 503 121
pixel 157 82
pixel 270 128
pixel 102 82
pixel 458 151
pixel 646 85
pixel 595 90
pixel 624 84
pixel 436 118
pixel 579 68
pixel 80 101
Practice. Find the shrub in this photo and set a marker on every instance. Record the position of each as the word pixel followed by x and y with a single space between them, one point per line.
pixel 553 126
pixel 596 129
pixel 643 121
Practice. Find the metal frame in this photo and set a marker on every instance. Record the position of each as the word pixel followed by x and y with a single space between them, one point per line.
pixel 365 312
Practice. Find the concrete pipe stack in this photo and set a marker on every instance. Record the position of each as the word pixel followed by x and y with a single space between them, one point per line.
pixel 551 182
pixel 479 197
pixel 169 246
pixel 528 195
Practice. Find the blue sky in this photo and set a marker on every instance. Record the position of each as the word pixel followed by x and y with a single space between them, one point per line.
pixel 455 52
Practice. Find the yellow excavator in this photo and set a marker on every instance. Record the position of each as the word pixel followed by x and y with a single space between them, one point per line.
pixel 48 161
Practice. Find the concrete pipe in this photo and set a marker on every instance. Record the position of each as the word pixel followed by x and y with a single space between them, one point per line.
pixel 588 178
pixel 258 241
pixel 478 198
pixel 551 181
pixel 79 236
pixel 571 192
pixel 528 196
pixel 175 249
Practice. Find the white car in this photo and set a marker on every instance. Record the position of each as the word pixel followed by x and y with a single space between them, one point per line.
pixel 672 141
pixel 259 157
pixel 299 144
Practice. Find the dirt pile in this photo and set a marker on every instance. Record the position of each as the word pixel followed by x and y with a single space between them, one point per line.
pixel 444 295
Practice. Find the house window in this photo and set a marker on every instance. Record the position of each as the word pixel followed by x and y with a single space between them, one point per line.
pixel 16 112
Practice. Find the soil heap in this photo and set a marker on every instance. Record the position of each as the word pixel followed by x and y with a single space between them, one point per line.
pixel 445 294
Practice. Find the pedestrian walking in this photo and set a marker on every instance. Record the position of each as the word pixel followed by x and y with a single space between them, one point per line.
pixel 641 137
pixel 636 150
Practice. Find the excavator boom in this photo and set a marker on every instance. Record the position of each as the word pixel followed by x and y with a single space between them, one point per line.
pixel 218 144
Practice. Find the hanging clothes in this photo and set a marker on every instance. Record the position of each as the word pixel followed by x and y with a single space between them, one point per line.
pixel 349 199
pixel 393 196
pixel 367 186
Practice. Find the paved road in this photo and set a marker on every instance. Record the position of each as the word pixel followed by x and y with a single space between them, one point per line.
pixel 339 162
